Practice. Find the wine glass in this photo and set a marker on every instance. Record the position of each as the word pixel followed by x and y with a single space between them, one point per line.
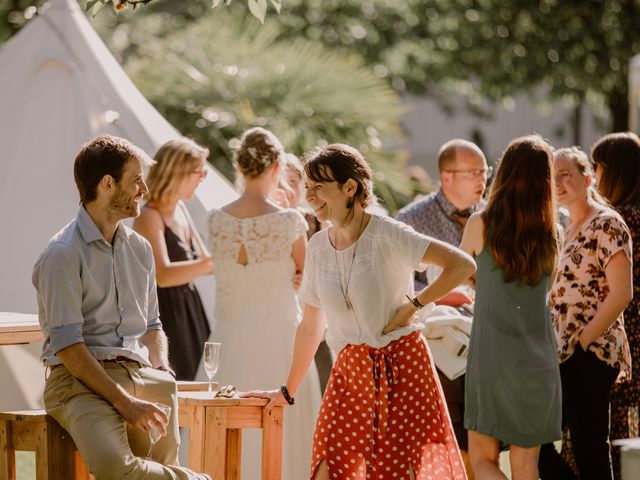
pixel 154 433
pixel 212 352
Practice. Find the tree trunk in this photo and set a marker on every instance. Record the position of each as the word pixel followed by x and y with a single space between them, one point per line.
pixel 576 123
pixel 619 111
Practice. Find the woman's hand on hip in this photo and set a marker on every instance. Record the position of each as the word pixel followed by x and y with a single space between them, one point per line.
pixel 275 397
pixel 405 315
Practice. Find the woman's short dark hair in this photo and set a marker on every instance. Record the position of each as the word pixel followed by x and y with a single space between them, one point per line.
pixel 338 163
pixel 100 156
pixel 618 154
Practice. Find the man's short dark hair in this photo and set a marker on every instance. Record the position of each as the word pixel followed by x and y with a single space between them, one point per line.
pixel 100 156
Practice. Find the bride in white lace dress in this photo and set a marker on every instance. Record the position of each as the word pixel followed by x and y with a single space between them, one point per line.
pixel 258 251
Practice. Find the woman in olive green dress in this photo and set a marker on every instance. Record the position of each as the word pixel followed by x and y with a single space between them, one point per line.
pixel 512 386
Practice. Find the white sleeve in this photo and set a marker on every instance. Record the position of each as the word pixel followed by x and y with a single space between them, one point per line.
pixel 300 225
pixel 309 290
pixel 409 246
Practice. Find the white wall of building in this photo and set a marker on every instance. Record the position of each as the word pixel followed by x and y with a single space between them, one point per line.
pixel 428 126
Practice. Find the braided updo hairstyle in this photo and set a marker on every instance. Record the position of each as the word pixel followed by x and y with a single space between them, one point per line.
pixel 258 150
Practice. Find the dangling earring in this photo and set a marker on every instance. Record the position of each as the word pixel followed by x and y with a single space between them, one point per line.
pixel 350 203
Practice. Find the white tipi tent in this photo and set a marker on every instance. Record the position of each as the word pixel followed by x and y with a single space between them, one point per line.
pixel 60 87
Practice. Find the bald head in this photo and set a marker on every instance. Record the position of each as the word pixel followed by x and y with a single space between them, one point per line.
pixel 463 172
pixel 450 150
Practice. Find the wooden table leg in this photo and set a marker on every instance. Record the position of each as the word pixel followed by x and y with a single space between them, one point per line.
pixel 55 452
pixel 7 453
pixel 215 442
pixel 234 453
pixel 196 425
pixel 272 444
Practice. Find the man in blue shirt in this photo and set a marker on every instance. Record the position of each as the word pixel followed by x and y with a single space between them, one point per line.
pixel 442 215
pixel 104 345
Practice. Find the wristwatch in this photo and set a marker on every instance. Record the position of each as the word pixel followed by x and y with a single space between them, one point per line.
pixel 286 395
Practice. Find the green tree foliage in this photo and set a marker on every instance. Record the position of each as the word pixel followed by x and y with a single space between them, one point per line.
pixel 258 8
pixel 224 74
pixel 577 49
pixel 487 49
pixel 14 14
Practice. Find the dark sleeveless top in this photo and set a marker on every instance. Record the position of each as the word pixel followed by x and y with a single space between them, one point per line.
pixel 182 314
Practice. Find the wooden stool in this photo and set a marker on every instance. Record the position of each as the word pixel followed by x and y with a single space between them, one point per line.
pixel 215 433
pixel 34 431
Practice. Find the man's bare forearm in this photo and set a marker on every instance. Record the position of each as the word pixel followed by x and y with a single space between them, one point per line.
pixel 156 342
pixel 82 365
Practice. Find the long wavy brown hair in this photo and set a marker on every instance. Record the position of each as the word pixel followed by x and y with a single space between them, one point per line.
pixel 520 217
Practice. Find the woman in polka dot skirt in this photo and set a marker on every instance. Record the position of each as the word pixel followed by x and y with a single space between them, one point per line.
pixel 383 414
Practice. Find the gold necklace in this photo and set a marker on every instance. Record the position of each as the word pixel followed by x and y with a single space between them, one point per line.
pixel 344 287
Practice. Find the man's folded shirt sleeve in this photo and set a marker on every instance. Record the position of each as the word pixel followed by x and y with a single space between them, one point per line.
pixel 57 280
pixel 153 313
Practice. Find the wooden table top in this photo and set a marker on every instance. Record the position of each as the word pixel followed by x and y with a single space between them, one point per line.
pixel 205 399
pixel 19 328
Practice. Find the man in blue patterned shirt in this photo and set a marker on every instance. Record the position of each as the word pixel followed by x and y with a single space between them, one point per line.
pixel 442 215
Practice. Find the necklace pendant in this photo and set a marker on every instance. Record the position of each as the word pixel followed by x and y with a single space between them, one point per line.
pixel 348 303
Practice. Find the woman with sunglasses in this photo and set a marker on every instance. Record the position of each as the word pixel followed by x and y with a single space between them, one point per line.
pixel 178 250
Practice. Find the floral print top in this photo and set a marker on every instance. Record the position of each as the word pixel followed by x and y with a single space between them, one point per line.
pixel 580 286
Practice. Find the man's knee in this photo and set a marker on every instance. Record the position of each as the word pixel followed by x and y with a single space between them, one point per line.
pixel 113 466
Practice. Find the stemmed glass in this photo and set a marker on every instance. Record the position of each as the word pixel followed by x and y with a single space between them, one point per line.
pixel 154 433
pixel 212 352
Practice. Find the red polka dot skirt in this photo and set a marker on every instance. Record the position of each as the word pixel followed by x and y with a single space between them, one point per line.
pixel 383 414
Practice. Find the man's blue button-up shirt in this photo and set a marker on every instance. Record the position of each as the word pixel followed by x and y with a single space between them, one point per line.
pixel 95 293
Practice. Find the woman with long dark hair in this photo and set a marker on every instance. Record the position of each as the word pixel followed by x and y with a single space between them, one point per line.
pixel 512 387
pixel 616 160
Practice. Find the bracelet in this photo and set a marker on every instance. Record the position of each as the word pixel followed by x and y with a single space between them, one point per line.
pixel 285 394
pixel 415 302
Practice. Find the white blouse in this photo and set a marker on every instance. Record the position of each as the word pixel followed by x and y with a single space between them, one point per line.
pixel 387 254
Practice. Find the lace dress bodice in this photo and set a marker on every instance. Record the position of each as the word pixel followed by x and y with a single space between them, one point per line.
pixel 264 286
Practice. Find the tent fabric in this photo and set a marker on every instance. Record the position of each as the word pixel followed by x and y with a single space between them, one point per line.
pixel 60 87
pixel 58 83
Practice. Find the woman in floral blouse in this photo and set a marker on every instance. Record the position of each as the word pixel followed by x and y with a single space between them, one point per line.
pixel 616 158
pixel 593 285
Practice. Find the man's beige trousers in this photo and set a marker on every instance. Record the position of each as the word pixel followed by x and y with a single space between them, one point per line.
pixel 112 449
